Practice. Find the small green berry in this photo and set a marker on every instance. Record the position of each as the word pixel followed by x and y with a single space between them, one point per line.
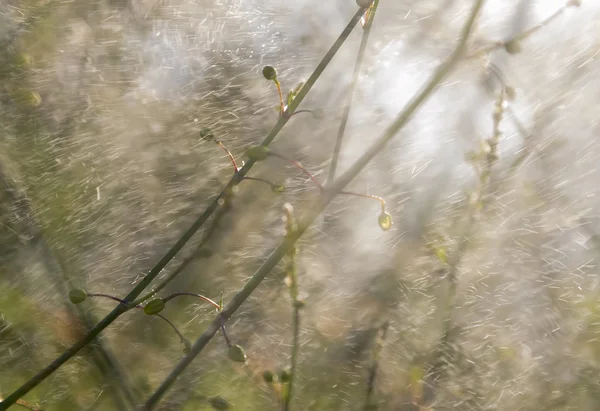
pixel 285 376
pixel 277 188
pixel 154 306
pixel 207 134
pixel 385 221
pixel 513 46
pixel 269 73
pixel 77 296
pixel 268 376
pixel 219 403
pixel 236 353
pixel 257 153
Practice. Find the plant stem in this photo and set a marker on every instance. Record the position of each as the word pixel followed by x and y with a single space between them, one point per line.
pixel 350 94
pixel 283 248
pixel 375 365
pixel 156 270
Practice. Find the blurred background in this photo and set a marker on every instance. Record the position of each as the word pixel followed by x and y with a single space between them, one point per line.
pixel 102 168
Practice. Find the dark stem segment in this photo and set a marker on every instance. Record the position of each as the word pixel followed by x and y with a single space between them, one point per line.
pixel 375 365
pixel 283 248
pixel 350 94
pixel 156 270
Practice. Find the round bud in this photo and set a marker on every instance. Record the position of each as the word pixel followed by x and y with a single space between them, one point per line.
pixel 257 153
pixel 77 296
pixel 206 134
pixel 268 376
pixel 510 92
pixel 285 376
pixel 277 188
pixel 513 46
pixel 364 3
pixel 299 303
pixel 154 306
pixel 269 73
pixel 219 403
pixel 236 353
pixel 385 221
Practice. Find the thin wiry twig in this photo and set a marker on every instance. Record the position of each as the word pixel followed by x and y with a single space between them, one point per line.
pixel 283 248
pixel 350 93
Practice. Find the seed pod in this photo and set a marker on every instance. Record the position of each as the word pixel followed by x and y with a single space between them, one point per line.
pixel 385 221
pixel 77 296
pixel 206 134
pixel 277 188
pixel 154 306
pixel 236 353
pixel 268 376
pixel 269 73
pixel 257 153
pixel 285 376
pixel 219 403
pixel 513 46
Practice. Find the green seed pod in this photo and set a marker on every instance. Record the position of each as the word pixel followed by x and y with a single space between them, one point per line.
pixel 206 134
pixel 77 296
pixel 219 403
pixel 236 353
pixel 285 376
pixel 385 221
pixel 257 153
pixel 513 46
pixel 269 73
pixel 510 93
pixel 154 306
pixel 268 376
pixel 277 188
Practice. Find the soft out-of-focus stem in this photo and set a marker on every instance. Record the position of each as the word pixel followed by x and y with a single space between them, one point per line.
pixel 183 240
pixel 519 37
pixel 329 193
pixel 474 205
pixel 350 93
pixel 371 379
pixel 292 278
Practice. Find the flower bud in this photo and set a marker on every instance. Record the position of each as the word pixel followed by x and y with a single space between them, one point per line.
pixel 269 73
pixel 268 376
pixel 77 296
pixel 385 221
pixel 154 306
pixel 257 153
pixel 236 353
pixel 513 46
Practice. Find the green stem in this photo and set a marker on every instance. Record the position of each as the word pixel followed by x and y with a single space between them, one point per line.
pixel 350 95
pixel 156 270
pixel 283 248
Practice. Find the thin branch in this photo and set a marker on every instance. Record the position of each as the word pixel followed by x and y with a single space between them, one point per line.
pixel 350 94
pixel 283 248
pixel 157 269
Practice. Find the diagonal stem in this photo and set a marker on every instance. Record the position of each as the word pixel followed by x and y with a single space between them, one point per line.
pixel 284 247
pixel 350 95
pixel 155 271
